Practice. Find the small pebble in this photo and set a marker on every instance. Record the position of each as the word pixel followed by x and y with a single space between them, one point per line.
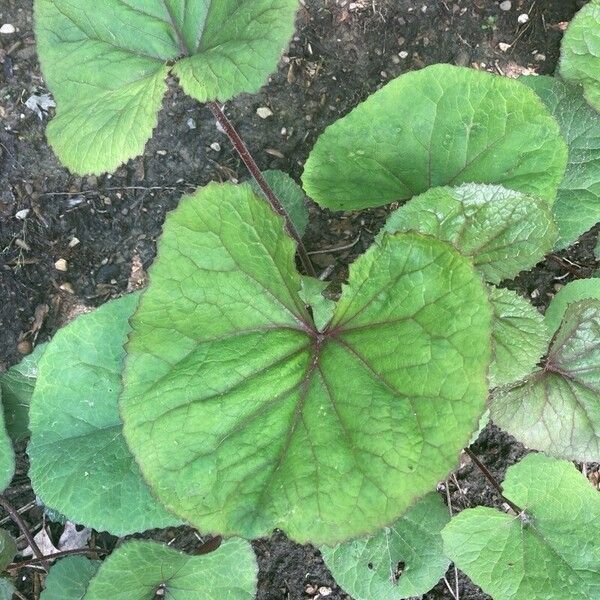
pixel 61 265
pixel 325 591
pixel 216 146
pixel 67 287
pixel 7 29
pixel 22 214
pixel 403 54
pixel 74 242
pixel 503 46
pixel 24 347
pixel 191 123
pixel 506 5
pixel 524 18
pixel 264 112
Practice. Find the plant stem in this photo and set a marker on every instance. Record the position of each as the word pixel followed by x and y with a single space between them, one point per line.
pixel 243 152
pixel 61 554
pixel 493 481
pixel 16 517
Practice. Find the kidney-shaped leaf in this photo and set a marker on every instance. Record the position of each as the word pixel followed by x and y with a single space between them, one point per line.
pixel 147 570
pixel 580 52
pixel 69 578
pixel 580 289
pixel 17 386
pixel 502 231
pixel 557 409
pixel 577 206
pixel 106 64
pixel 7 455
pixel 244 417
pixel 80 464
pixel 442 125
pixel 550 553
pixel 519 337
pixel 403 560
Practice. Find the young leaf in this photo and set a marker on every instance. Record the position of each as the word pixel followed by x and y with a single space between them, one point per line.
pixel 580 52
pixel 557 409
pixel 291 195
pixel 80 465
pixel 549 553
pixel 580 289
pixel 8 549
pixel 519 337
pixel 69 578
pixel 502 231
pixel 106 64
pixel 17 388
pixel 143 569
pixel 7 455
pixel 244 417
pixel 312 292
pixel 577 206
pixel 442 125
pixel 405 559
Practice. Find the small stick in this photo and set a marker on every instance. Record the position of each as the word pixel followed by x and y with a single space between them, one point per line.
pixel 16 517
pixel 61 554
pixel 493 481
pixel 243 152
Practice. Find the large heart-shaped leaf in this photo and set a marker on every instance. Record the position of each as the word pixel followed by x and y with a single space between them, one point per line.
pixel 519 337
pixel 577 206
pixel 146 570
pixel 106 63
pixel 580 289
pixel 549 553
pixel 69 578
pixel 17 386
pixel 557 409
pixel 245 417
pixel 403 560
pixel 80 464
pixel 580 52
pixel 502 231
pixel 442 125
pixel 7 455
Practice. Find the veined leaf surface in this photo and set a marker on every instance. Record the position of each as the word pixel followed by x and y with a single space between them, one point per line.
pixel 69 578
pixel 550 553
pixel 245 417
pixel 580 289
pixel 442 125
pixel 106 63
pixel 7 455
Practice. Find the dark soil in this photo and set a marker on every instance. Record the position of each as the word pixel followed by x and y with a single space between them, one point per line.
pixel 338 57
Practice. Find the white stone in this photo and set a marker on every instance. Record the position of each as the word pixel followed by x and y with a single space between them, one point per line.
pixel 216 146
pixel 503 46
pixel 264 112
pixel 7 29
pixel 524 18
pixel 506 5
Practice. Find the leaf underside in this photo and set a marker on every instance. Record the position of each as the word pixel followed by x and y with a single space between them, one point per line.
pixel 243 417
pixel 106 64
pixel 80 464
pixel 368 568
pixel 7 455
pixel 504 232
pixel 141 570
pixel 69 578
pixel 519 337
pixel 577 206
pixel 580 52
pixel 442 125
pixel 552 554
pixel 557 409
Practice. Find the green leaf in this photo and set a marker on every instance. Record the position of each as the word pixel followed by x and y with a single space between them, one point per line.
pixel 7 455
pixel 291 196
pixel 7 589
pixel 519 337
pixel 17 388
pixel 139 569
pixel 368 568
pixel 550 553
pixel 580 52
pixel 313 294
pixel 577 206
pixel 69 578
pixel 502 231
pixel 8 549
pixel 80 464
pixel 580 289
pixel 244 417
pixel 106 64
pixel 442 125
pixel 557 409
